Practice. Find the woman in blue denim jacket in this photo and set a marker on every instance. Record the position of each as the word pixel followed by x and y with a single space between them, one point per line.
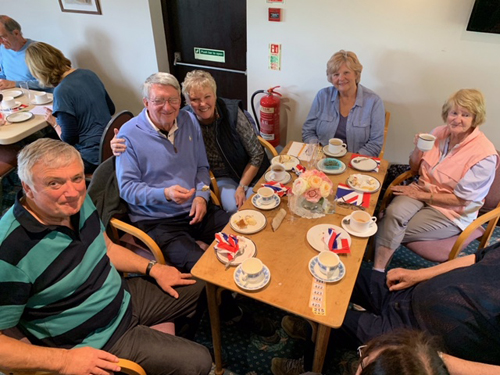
pixel 347 110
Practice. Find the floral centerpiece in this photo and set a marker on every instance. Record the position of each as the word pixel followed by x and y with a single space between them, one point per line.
pixel 310 194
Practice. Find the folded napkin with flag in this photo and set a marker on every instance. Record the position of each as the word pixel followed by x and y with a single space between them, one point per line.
pixel 368 157
pixel 348 195
pixel 336 244
pixel 278 188
pixel 227 243
pixel 298 169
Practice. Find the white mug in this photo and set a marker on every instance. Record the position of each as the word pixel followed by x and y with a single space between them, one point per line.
pixel 336 145
pixel 425 142
pixel 278 172
pixel 252 270
pixel 328 262
pixel 8 102
pixel 41 97
pixel 266 195
pixel 361 221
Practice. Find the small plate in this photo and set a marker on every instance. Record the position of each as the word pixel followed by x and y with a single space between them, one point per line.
pixel 19 117
pixel 260 219
pixel 17 105
pixel 315 235
pixel 366 164
pixel 285 180
pixel 238 274
pixel 274 203
pixel 49 100
pixel 288 161
pixel 363 183
pixel 372 229
pixel 339 155
pixel 14 93
pixel 322 168
pixel 249 252
pixel 337 275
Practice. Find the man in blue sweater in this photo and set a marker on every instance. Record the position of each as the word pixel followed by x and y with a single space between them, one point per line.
pixel 163 174
pixel 12 56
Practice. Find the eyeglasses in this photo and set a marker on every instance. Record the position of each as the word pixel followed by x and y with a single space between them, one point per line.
pixel 162 101
pixel 350 206
pixel 361 349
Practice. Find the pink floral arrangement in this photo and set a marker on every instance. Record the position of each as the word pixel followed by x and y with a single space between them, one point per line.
pixel 312 185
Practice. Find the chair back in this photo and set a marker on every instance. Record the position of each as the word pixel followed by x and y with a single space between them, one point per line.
pixel 116 122
pixel 386 130
pixel 492 199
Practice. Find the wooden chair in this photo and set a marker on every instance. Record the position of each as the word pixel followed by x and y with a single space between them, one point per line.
pixel 386 130
pixel 116 122
pixel 269 147
pixel 8 162
pixel 450 248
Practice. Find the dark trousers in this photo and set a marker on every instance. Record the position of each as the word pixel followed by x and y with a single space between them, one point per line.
pixel 157 352
pixel 177 238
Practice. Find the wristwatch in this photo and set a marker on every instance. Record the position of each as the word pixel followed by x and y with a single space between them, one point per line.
pixel 150 265
pixel 245 187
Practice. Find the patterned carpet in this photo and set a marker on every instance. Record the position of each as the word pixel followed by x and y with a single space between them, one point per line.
pixel 247 353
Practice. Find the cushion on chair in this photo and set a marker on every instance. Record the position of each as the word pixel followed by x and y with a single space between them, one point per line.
pixel 8 158
pixel 438 251
pixel 493 197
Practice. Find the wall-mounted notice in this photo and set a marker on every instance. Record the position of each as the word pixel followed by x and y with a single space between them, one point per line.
pixel 207 54
pixel 275 56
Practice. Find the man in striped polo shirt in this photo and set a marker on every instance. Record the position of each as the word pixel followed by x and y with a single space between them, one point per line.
pixel 60 286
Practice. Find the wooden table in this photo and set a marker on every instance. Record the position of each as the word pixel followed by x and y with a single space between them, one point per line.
pixel 287 254
pixel 12 133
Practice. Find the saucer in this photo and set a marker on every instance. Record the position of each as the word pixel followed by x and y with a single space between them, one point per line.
pixel 238 274
pixel 14 93
pixel 258 217
pixel 249 252
pixel 338 155
pixel 17 105
pixel 315 236
pixel 288 161
pixel 19 117
pixel 285 180
pixel 372 229
pixel 365 164
pixel 273 204
pixel 337 275
pixel 322 168
pixel 49 99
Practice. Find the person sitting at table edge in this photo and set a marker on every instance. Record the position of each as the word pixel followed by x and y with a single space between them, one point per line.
pixel 82 105
pixel 455 177
pixel 163 174
pixel 60 284
pixel 235 155
pixel 457 301
pixel 346 110
pixel 13 68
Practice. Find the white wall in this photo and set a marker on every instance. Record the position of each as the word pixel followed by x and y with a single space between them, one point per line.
pixel 118 45
pixel 415 54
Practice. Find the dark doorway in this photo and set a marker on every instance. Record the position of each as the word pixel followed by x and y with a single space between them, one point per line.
pixel 214 28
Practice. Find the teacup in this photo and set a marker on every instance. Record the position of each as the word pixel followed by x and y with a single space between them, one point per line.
pixel 266 195
pixel 252 270
pixel 336 145
pixel 278 172
pixel 361 221
pixel 328 262
pixel 41 97
pixel 8 102
pixel 425 142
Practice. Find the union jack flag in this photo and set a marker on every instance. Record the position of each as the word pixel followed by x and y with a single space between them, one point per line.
pixel 348 195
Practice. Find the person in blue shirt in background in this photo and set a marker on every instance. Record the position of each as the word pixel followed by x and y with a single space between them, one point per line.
pixel 12 57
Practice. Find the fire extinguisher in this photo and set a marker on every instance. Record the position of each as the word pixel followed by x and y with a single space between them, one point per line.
pixel 269 119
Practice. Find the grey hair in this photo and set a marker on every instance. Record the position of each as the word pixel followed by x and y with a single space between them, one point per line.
pixel 159 78
pixel 197 79
pixel 9 23
pixel 48 151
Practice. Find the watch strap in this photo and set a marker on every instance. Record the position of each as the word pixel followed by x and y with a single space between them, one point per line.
pixel 150 265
